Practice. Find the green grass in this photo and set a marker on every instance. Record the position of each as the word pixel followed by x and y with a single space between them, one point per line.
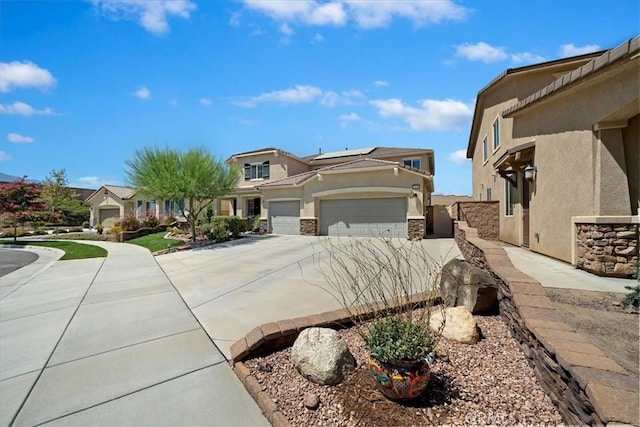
pixel 72 250
pixel 155 242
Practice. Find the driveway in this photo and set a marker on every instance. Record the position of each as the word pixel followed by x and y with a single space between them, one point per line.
pixel 235 287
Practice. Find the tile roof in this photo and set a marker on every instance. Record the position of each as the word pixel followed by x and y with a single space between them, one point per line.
pixel 292 180
pixel 625 50
pixel 371 163
pixel 260 150
pixel 122 192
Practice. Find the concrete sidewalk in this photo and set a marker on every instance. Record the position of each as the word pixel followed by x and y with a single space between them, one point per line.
pixel 552 273
pixel 109 341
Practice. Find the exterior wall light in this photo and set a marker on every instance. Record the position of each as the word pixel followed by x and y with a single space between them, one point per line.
pixel 530 172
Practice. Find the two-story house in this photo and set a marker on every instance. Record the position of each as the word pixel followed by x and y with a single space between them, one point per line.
pixel 558 145
pixel 362 192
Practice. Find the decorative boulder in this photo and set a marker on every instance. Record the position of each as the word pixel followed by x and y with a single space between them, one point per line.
pixel 464 284
pixel 322 356
pixel 459 325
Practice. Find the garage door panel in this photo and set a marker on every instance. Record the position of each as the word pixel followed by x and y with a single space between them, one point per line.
pixel 364 217
pixel 284 217
pixel 108 216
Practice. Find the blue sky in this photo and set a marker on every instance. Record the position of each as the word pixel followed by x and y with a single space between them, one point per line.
pixel 85 83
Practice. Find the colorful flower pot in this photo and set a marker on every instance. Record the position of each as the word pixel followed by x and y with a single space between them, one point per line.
pixel 400 379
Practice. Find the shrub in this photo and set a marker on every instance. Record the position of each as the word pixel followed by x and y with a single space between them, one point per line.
pixel 149 221
pixel 19 233
pixel 256 224
pixel 39 232
pixel 116 229
pixel 235 225
pixel 99 228
pixel 169 219
pixel 85 224
pixel 129 222
pixel 633 298
pixel 60 231
pixel 75 230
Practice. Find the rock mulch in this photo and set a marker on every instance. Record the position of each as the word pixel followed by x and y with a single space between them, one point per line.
pixel 489 383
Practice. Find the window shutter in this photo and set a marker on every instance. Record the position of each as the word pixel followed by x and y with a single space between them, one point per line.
pixel 265 170
pixel 247 171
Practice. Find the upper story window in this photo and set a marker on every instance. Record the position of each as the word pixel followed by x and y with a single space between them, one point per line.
pixel 256 170
pixel 485 149
pixel 414 163
pixel 496 134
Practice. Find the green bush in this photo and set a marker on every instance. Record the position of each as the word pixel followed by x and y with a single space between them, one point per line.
pixel 60 231
pixel 85 224
pixel 39 232
pixel 19 233
pixel 394 338
pixel 256 223
pixel 633 298
pixel 99 228
pixel 169 219
pixel 75 230
pixel 236 225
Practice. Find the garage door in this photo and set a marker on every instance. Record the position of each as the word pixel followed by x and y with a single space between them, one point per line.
pixel 284 217
pixel 364 217
pixel 109 216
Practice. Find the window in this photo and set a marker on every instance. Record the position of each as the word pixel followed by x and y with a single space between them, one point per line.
pixel 485 150
pixel 173 208
pixel 253 207
pixel 256 171
pixel 496 134
pixel 508 196
pixel 488 193
pixel 414 163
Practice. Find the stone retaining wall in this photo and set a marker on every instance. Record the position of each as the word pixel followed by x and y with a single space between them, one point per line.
pixel 607 249
pixel 587 387
pixel 308 226
pixel 483 216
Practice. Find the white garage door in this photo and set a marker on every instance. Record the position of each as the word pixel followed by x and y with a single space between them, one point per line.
pixel 284 217
pixel 364 217
pixel 108 217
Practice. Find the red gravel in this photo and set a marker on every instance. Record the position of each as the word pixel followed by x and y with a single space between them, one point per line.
pixel 489 383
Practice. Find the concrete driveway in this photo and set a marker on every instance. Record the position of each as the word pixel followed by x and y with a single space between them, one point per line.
pixel 235 287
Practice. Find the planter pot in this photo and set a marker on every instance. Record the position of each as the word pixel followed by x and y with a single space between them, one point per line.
pixel 400 379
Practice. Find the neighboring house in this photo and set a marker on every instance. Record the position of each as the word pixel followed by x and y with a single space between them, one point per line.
pixel 362 192
pixel 558 145
pixel 439 215
pixel 109 203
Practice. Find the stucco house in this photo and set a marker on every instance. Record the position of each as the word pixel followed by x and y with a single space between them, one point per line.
pixel 111 202
pixel 558 145
pixel 359 192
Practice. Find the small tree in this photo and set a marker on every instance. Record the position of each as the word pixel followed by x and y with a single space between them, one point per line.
pixel 61 199
pixel 195 176
pixel 19 199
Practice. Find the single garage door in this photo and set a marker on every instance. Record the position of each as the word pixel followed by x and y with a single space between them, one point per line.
pixel 108 217
pixel 364 217
pixel 284 217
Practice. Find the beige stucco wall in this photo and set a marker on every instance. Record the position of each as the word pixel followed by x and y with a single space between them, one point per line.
pixel 361 184
pixel 280 167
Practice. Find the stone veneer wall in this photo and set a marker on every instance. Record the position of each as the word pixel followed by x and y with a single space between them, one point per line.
pixel 309 226
pixel 415 228
pixel 587 387
pixel 607 249
pixel 483 216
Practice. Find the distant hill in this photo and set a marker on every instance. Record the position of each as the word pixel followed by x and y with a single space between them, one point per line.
pixel 10 178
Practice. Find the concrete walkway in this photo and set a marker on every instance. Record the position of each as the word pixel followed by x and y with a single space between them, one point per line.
pixel 552 273
pixel 109 341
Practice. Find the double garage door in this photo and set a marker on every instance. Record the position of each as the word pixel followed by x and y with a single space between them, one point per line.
pixel 364 217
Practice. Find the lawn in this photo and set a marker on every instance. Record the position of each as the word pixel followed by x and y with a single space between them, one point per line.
pixel 72 250
pixel 155 242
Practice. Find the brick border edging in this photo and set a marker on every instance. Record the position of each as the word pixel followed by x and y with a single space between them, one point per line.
pixel 274 336
pixel 586 385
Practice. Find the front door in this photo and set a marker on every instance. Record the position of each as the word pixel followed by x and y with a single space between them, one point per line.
pixel 525 213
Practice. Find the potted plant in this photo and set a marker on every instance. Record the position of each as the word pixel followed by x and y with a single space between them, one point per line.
pixel 389 289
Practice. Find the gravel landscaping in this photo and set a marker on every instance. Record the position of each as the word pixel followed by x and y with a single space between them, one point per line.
pixel 489 383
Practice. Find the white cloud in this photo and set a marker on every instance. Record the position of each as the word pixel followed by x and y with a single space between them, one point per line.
pixel 365 14
pixel 142 93
pixel 24 74
pixel 349 97
pixel 4 156
pixel 286 29
pixel 300 94
pixel 22 109
pixel 432 114
pixel 205 101
pixel 572 50
pixel 16 138
pixel 317 38
pixel 234 19
pixel 481 51
pixel 346 118
pixel 459 157
pixel 152 15
pixel 527 58
pixel 380 83
pixel 89 180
